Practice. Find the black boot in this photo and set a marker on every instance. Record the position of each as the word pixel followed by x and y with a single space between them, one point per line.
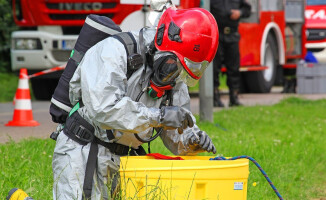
pixel 293 85
pixel 290 85
pixel 217 99
pixel 234 101
pixel 286 86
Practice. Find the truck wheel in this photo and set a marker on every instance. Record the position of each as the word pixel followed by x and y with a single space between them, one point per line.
pixel 262 81
pixel 43 88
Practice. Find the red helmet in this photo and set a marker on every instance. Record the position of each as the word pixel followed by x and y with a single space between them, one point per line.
pixel 192 35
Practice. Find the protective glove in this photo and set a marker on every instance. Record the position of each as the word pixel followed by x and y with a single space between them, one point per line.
pixel 201 141
pixel 174 117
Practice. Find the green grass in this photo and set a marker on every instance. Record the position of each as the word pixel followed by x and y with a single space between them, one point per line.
pixel 8 86
pixel 27 165
pixel 287 140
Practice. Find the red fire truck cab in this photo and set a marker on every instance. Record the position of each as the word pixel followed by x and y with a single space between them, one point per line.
pixel 272 39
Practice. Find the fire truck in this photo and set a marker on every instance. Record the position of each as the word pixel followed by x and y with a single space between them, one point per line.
pixel 316 28
pixel 272 39
pixel 49 30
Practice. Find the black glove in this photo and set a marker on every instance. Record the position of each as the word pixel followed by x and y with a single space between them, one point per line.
pixel 202 141
pixel 174 117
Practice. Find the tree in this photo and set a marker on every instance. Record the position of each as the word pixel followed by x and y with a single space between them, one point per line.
pixel 7 25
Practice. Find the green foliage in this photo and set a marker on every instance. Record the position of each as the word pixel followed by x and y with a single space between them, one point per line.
pixel 286 139
pixel 7 25
pixel 8 86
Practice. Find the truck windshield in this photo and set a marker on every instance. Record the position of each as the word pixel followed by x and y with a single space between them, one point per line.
pixel 316 2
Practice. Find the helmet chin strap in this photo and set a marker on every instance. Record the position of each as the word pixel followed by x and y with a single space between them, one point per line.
pixel 156 91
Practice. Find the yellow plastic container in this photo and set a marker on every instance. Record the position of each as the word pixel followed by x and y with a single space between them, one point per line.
pixel 195 177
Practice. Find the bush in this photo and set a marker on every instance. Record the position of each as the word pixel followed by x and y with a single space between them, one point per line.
pixel 7 25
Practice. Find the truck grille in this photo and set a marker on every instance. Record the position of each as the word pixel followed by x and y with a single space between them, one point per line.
pixel 61 55
pixel 316 34
pixel 80 6
pixel 78 11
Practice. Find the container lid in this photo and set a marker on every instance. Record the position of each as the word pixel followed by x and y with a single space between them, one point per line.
pixel 311 69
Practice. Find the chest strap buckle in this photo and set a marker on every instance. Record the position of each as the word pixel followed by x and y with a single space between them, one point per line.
pixel 83 134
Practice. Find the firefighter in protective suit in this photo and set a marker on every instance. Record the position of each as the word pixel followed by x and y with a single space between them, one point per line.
pixel 117 112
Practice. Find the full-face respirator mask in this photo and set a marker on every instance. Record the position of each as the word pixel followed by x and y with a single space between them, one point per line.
pixel 166 70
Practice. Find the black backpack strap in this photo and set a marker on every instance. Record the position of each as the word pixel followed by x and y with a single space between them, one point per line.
pixel 90 169
pixel 134 60
pixel 128 41
pixel 77 56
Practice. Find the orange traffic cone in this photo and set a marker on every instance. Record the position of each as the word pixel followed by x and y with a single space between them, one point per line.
pixel 23 115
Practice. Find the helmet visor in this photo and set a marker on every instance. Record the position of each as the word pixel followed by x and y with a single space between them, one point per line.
pixel 196 68
pixel 169 70
pixel 187 79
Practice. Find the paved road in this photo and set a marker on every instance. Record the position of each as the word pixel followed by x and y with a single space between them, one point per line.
pixel 41 114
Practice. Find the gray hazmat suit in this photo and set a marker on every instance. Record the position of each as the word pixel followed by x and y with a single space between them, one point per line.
pixel 109 99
